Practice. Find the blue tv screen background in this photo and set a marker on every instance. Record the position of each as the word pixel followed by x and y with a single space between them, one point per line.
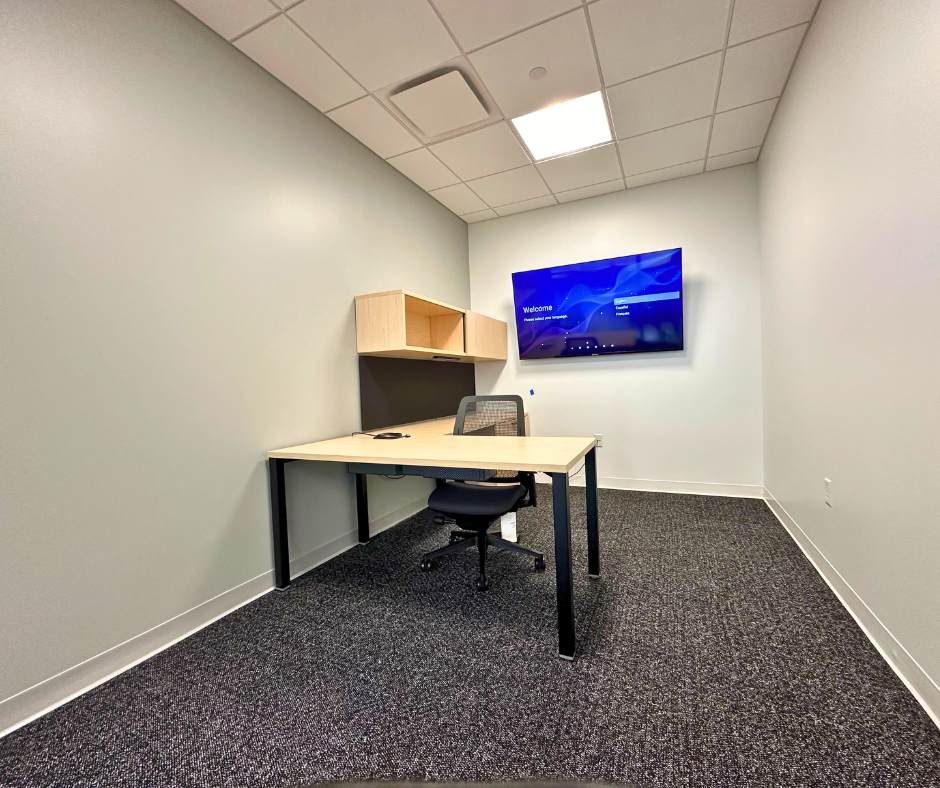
pixel 630 304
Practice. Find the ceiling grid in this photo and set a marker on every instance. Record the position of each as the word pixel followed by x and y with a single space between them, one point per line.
pixel 610 117
pixel 512 128
pixel 687 85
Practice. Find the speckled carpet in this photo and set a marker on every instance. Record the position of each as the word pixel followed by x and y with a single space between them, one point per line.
pixel 710 654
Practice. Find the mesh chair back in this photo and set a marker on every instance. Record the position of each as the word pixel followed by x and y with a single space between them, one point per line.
pixel 493 415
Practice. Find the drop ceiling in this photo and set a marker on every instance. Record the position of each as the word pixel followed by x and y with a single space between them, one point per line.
pixel 689 85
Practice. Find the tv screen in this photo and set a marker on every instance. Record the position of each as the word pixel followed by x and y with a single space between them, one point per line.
pixel 630 304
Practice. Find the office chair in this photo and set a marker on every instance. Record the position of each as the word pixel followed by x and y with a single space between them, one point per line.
pixel 475 507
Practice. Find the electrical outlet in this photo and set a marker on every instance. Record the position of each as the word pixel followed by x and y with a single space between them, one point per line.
pixel 600 439
pixel 828 486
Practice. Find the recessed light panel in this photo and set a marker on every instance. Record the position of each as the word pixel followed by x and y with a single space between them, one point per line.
pixel 565 128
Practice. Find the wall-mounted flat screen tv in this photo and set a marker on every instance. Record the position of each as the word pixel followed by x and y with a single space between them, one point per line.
pixel 630 304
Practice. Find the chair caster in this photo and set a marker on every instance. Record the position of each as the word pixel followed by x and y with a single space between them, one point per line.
pixel 539 563
pixel 427 564
pixel 482 583
pixel 438 520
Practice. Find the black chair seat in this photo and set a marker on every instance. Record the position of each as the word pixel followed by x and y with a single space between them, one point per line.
pixel 474 500
pixel 475 507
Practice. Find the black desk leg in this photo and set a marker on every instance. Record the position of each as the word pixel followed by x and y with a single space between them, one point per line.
pixel 566 642
pixel 362 507
pixel 590 488
pixel 279 523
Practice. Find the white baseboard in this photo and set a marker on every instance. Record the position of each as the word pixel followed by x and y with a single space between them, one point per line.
pixel 26 706
pixel 321 555
pixel 386 521
pixel 655 485
pixel 40 699
pixel 922 687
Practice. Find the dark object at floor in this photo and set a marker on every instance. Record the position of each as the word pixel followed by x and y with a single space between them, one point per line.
pixel 475 507
pixel 456 785
pixel 710 654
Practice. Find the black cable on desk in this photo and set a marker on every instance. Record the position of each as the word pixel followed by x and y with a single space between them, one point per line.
pixel 387 436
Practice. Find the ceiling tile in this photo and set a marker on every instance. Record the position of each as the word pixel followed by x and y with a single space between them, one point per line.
pixel 371 124
pixel 590 191
pixel 282 48
pixel 478 22
pixel 479 216
pixel 229 18
pixel 732 159
pixel 581 169
pixel 526 205
pixel 753 18
pixel 666 98
pixel 459 199
pixel 666 174
pixel 758 70
pixel 635 37
pixel 665 148
pixel 483 152
pixel 425 170
pixel 562 47
pixel 377 41
pixel 461 64
pixel 741 128
pixel 441 105
pixel 513 186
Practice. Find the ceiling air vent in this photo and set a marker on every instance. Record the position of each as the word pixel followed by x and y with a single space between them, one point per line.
pixel 441 105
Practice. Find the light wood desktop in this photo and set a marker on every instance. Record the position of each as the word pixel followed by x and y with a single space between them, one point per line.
pixel 545 455
pixel 433 452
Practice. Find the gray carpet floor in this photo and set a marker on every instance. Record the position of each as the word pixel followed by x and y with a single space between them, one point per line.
pixel 710 654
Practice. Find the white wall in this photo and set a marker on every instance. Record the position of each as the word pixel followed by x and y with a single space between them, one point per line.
pixel 850 224
pixel 691 416
pixel 182 239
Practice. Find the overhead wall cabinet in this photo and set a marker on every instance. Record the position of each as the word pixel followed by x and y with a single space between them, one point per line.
pixel 399 323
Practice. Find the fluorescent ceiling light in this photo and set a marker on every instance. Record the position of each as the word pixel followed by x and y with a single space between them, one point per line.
pixel 566 127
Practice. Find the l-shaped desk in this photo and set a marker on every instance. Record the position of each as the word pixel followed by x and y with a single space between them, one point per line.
pixel 431 454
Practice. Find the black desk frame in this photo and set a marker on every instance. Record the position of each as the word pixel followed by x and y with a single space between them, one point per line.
pixel 561 507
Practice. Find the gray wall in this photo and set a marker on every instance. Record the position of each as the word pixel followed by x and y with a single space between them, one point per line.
pixel 688 417
pixel 850 225
pixel 182 238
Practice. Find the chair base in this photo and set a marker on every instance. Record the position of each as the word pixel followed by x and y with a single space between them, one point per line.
pixel 460 540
